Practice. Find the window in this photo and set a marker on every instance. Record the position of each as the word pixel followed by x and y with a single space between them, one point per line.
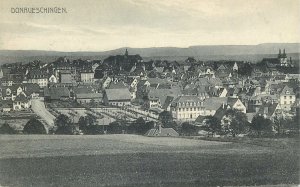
pixel 285 102
pixel 291 102
pixel 291 97
pixel 284 97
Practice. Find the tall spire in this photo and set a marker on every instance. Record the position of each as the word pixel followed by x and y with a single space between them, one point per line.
pixel 279 54
pixel 126 53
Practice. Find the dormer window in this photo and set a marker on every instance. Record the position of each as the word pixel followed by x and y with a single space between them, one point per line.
pixel 8 91
pixel 287 92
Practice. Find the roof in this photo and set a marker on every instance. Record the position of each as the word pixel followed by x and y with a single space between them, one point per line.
pixel 215 82
pixel 161 132
pixel 157 81
pixel 56 92
pixel 6 103
pixel 213 103
pixel 186 99
pixel 220 113
pixel 21 98
pixel 268 109
pixel 162 94
pixel 118 94
pixel 287 91
pixel 37 74
pixel 89 96
pixel 30 88
pixel 117 85
pixel 83 90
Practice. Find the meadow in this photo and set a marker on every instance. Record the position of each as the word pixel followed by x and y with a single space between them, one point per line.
pixel 132 160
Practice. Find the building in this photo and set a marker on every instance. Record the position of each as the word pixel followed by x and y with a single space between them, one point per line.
pixel 56 93
pixel 287 98
pixel 21 102
pixel 38 77
pixel 53 79
pixel 89 97
pixel 281 60
pixel 87 76
pixel 186 108
pixel 116 97
pixel 160 131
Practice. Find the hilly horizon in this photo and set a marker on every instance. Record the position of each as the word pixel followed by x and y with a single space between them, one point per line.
pixel 201 52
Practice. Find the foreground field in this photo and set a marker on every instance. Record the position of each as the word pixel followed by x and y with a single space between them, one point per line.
pixel 130 160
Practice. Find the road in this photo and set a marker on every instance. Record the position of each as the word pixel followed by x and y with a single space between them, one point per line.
pixel 39 108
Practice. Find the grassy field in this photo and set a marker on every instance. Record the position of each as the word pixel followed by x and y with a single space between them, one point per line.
pixel 131 160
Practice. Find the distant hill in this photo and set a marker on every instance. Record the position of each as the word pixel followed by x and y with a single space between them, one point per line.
pixel 201 52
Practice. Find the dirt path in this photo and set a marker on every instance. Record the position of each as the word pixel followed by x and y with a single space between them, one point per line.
pixel 39 108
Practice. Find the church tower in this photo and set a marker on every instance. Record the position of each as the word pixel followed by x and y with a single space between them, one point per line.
pixel 282 58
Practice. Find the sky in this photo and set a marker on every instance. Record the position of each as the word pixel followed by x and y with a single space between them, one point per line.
pixel 99 25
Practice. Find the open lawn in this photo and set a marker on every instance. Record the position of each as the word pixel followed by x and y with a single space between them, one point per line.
pixel 131 160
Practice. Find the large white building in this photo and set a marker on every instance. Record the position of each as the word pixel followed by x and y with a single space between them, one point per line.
pixel 87 76
pixel 186 108
pixel 287 98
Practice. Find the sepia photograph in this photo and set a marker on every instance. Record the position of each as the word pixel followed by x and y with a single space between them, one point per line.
pixel 150 93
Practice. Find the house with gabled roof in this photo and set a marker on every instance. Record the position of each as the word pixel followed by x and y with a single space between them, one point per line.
pixel 38 76
pixel 158 130
pixel 21 102
pixel 287 97
pixel 268 110
pixel 117 97
pixel 212 104
pixel 158 97
pixel 56 93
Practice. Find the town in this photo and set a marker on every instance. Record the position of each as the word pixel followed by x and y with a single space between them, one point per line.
pixel 125 94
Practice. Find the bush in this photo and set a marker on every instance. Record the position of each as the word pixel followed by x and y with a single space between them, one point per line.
pixel 34 126
pixel 188 129
pixel 64 125
pixel 7 129
pixel 115 128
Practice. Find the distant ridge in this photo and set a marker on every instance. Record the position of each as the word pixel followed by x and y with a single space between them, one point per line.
pixel 202 52
pixel 266 48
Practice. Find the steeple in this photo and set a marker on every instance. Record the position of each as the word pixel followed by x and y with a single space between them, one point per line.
pixel 126 53
pixel 279 54
pixel 284 54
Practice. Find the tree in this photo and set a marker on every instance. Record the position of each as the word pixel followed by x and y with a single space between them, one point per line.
pixel 188 129
pixel 245 69
pixel 64 125
pixel 283 123
pixel 7 129
pixel 166 119
pixel 235 122
pixel 88 125
pixel 139 126
pixel 260 124
pixel 115 128
pixel 213 124
pixel 34 126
